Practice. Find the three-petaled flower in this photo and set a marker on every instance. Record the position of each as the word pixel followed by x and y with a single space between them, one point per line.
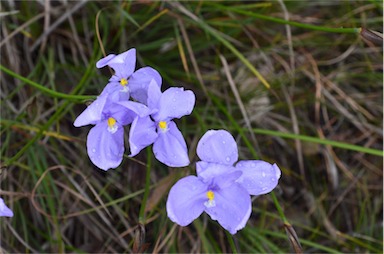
pixel 221 189
pixel 4 210
pixel 158 129
pixel 105 141
pixel 126 82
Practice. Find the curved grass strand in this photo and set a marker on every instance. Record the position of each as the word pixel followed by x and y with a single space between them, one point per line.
pixel 292 23
pixel 62 109
pixel 14 124
pixel 47 90
pixel 320 141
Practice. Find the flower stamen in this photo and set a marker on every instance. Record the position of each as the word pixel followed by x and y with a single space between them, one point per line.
pixel 211 202
pixel 163 126
pixel 123 82
pixel 112 126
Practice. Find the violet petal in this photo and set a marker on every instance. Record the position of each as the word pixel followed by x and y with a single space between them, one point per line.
pixel 154 95
pixel 116 92
pixel 105 149
pixel 123 64
pixel 142 134
pixel 259 177
pixel 104 61
pixel 93 113
pixel 232 208
pixel 175 103
pixel 217 146
pixel 186 200
pixel 4 209
pixel 139 82
pixel 170 147
pixel 209 170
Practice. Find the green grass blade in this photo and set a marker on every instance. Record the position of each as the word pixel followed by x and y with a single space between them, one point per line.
pixel 320 141
pixel 45 90
pixel 286 22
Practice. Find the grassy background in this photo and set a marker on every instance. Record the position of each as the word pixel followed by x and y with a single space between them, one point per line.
pixel 307 96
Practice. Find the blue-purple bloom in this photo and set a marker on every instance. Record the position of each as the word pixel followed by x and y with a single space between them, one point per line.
pixel 105 141
pixel 126 82
pixel 169 146
pixel 221 189
pixel 4 210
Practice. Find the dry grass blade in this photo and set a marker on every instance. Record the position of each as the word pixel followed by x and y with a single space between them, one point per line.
pixel 291 74
pixel 19 238
pixel 293 238
pixel 47 20
pixel 160 243
pixel 160 191
pixel 237 97
pixel 139 245
pixel 372 36
pixel 191 55
pixel 4 14
pixel 39 182
pixel 21 28
pixel 182 54
pixel 55 24
pixel 320 215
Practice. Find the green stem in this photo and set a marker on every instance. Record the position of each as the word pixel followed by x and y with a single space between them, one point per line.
pixel 147 187
pixel 279 208
pixel 231 242
pixel 47 90
pixel 292 23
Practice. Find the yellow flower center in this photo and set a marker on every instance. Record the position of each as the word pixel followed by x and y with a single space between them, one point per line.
pixel 211 202
pixel 123 82
pixel 111 122
pixel 210 195
pixel 163 125
pixel 112 127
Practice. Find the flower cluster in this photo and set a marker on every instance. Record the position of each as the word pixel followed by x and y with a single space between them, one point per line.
pixel 134 97
pixel 222 187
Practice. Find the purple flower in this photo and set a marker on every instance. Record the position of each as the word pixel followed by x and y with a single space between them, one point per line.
pixel 158 129
pixel 125 82
pixel 221 189
pixel 4 210
pixel 105 141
